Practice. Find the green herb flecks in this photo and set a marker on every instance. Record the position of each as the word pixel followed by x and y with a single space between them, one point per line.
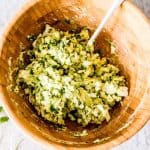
pixel 1 108
pixel 3 119
pixel 31 37
pixel 65 78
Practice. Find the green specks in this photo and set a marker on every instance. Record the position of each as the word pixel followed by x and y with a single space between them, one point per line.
pixel 1 108
pixel 3 119
pixel 53 109
pixel 31 37
pixel 65 78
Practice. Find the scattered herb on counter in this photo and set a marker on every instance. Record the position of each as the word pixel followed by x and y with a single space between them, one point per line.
pixel 1 108
pixel 3 119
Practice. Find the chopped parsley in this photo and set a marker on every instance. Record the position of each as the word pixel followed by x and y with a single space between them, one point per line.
pixel 3 119
pixel 66 78
pixel 31 37
pixel 1 108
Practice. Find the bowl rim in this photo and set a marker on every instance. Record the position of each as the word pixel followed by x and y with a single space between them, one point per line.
pixel 138 124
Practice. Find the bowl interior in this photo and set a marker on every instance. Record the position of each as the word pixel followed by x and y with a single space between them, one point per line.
pixel 81 13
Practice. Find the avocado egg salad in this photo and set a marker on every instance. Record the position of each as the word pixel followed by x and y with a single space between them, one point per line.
pixel 64 78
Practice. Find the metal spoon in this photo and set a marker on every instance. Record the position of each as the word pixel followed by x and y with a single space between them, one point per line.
pixel 110 12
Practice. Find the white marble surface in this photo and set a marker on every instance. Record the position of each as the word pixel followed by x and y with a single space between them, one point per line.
pixel 12 138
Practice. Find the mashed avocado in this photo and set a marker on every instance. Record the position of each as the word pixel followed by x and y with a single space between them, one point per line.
pixel 63 77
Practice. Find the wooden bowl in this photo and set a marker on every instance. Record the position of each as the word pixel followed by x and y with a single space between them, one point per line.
pixel 129 29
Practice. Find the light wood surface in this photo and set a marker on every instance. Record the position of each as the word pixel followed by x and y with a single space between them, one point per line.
pixel 11 129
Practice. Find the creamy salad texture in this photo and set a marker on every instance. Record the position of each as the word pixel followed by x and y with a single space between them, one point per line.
pixel 64 78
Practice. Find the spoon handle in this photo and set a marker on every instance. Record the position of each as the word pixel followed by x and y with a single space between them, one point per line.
pixel 110 12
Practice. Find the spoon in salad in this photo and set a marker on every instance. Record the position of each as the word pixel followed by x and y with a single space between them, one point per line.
pixel 109 14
